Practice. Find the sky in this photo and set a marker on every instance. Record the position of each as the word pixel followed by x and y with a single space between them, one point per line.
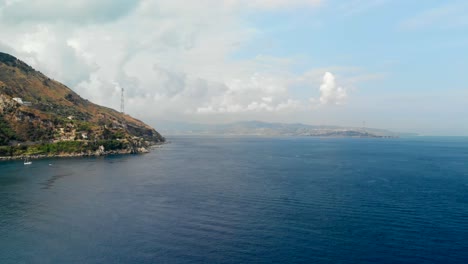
pixel 398 65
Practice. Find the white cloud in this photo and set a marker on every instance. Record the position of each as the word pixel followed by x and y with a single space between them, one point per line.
pixel 172 57
pixel 330 92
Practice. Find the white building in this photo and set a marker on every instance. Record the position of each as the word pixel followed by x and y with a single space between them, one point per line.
pixel 18 100
pixel 21 102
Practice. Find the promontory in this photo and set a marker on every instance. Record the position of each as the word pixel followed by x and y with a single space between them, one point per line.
pixel 40 117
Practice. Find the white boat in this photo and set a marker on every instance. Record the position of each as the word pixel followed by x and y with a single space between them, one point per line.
pixel 27 161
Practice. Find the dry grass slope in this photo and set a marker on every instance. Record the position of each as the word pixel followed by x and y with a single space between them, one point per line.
pixel 50 112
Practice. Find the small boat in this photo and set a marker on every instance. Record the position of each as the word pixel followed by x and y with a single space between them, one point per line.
pixel 27 161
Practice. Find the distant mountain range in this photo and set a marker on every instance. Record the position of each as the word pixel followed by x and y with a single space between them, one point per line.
pixel 272 129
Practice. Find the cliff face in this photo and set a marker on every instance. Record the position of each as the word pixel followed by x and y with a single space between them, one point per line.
pixel 36 110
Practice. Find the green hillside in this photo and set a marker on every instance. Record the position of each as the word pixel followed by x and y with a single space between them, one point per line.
pixel 40 116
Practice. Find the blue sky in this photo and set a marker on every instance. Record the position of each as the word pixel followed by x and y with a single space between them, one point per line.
pixel 419 49
pixel 398 65
pixel 425 57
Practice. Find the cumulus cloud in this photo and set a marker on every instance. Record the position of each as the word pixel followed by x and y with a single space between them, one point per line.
pixel 258 93
pixel 330 92
pixel 174 58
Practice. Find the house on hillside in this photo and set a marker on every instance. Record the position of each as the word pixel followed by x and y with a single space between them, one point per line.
pixel 21 102
pixel 18 100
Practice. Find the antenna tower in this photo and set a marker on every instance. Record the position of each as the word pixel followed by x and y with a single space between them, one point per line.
pixel 122 102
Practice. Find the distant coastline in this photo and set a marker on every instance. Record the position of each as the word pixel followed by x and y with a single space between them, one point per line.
pixel 258 128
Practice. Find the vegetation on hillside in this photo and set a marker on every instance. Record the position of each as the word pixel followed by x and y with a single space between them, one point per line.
pixel 62 147
pixel 51 118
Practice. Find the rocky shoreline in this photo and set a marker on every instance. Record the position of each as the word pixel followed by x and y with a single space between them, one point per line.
pixel 100 152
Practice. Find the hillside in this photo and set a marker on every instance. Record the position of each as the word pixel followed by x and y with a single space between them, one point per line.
pixel 272 129
pixel 40 116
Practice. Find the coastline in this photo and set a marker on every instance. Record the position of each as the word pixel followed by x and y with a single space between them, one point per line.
pixel 97 153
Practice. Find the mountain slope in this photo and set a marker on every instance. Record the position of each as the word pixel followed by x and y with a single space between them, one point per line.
pixel 36 110
pixel 272 129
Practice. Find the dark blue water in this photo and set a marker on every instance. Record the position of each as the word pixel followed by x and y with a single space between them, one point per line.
pixel 243 200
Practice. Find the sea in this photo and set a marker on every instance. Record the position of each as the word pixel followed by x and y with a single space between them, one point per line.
pixel 243 200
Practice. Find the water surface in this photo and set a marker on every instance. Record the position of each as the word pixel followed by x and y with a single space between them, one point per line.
pixel 243 200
